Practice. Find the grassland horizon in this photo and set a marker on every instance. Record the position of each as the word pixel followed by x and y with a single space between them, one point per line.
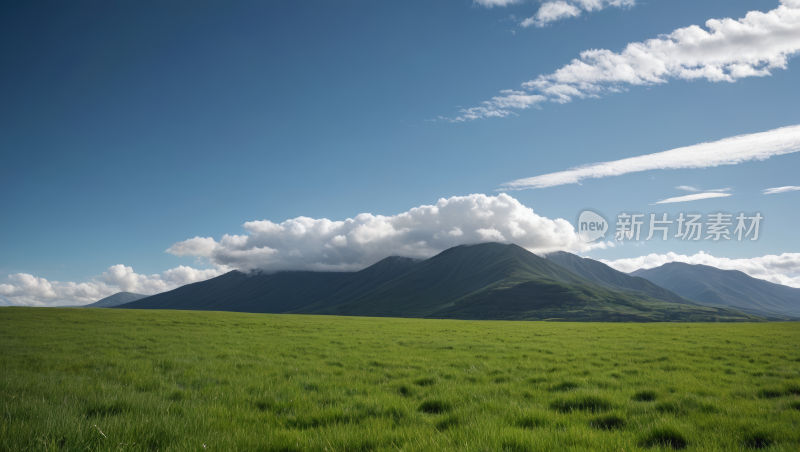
pixel 138 380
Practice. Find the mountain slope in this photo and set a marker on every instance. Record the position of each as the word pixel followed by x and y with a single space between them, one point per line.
pixel 715 287
pixel 115 300
pixel 496 281
pixel 609 278
pixel 273 293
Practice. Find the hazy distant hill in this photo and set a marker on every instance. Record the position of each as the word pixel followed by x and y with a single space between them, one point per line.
pixel 486 281
pixel 115 300
pixel 715 287
pixel 609 278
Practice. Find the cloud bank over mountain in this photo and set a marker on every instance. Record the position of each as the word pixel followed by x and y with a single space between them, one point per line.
pixel 324 245
pixel 783 269
pixel 29 290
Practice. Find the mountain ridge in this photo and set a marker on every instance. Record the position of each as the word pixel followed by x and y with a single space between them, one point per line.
pixel 484 281
pixel 731 288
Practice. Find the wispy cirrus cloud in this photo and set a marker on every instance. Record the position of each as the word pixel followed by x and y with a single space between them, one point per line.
pixel 694 197
pixel 493 3
pixel 729 151
pixel 772 191
pixel 725 51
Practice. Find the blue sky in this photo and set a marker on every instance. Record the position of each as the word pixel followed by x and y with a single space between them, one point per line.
pixel 128 128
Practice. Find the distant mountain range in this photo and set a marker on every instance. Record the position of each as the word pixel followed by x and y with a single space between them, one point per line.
pixel 609 278
pixel 115 300
pixel 486 281
pixel 730 288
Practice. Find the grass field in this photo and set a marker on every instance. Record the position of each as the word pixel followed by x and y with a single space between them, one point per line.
pixel 121 380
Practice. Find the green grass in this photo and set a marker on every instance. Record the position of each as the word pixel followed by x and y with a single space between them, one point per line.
pixel 122 380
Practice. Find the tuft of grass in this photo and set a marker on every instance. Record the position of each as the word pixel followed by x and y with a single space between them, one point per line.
pixel 178 395
pixel 793 388
pixel 758 440
pixel 564 386
pixel 405 391
pixel 645 396
pixel 608 422
pixel 448 422
pixel 530 422
pixel 795 405
pixel 665 437
pixel 425 381
pixel 434 407
pixel 108 409
pixel 589 403
pixel 770 393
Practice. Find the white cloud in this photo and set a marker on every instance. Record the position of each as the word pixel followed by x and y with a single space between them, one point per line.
pixel 551 12
pixel 772 191
pixel 198 246
pixel 726 50
pixel 687 188
pixel 729 151
pixel 493 3
pixel 28 290
pixel 323 245
pixel 693 197
pixel 781 269
pixel 561 9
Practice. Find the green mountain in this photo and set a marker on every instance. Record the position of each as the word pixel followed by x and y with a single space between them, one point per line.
pixel 275 292
pixel 496 281
pixel 730 288
pixel 486 281
pixel 115 300
pixel 602 274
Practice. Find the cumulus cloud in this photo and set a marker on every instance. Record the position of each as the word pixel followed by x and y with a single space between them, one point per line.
pixel 324 245
pixel 726 50
pixel 693 197
pixel 782 269
pixel 729 151
pixel 28 290
pixel 772 191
